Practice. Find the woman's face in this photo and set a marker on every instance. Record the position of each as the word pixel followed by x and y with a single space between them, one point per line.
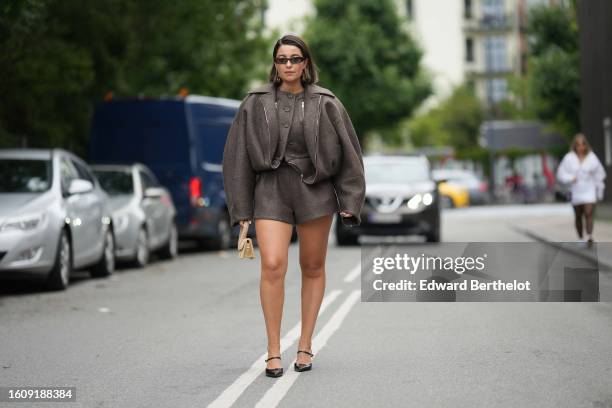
pixel 288 71
pixel 580 146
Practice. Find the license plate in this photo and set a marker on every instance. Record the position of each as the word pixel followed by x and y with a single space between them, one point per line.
pixel 385 218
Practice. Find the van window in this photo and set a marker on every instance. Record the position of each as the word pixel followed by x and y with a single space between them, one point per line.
pixel 211 138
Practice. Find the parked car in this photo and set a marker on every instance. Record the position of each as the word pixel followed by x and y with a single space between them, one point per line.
pixel 142 211
pixel 460 187
pixel 54 217
pixel 401 199
pixel 181 140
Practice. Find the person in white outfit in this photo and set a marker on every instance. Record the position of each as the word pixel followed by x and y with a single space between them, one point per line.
pixel 581 167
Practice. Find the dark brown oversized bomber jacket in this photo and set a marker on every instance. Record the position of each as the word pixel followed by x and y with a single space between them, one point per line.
pixel 253 146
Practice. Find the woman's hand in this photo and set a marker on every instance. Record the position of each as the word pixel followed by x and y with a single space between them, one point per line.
pixel 345 214
pixel 242 222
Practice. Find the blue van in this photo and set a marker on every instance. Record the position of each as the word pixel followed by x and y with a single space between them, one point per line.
pixel 182 141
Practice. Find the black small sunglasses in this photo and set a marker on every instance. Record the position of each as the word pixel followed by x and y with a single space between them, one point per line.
pixel 294 60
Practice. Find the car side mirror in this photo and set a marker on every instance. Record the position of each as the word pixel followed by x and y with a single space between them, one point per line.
pixel 80 186
pixel 153 192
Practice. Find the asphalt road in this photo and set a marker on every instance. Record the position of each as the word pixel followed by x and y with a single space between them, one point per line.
pixel 190 333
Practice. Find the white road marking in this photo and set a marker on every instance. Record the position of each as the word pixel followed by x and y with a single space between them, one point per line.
pixel 282 385
pixel 356 271
pixel 353 274
pixel 233 392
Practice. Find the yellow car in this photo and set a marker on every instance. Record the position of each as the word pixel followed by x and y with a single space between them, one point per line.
pixel 453 195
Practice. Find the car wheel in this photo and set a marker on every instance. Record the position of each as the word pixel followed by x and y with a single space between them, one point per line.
pixel 106 264
pixel 224 237
pixel 59 277
pixel 170 250
pixel 433 236
pixel 142 249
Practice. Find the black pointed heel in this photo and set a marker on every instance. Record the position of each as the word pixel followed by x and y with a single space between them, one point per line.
pixel 273 372
pixel 303 367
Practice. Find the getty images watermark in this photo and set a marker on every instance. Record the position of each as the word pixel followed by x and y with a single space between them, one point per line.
pixel 485 272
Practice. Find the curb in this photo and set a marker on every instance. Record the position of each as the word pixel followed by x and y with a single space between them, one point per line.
pixel 588 255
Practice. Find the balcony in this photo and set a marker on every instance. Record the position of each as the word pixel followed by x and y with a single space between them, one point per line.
pixel 474 71
pixel 489 23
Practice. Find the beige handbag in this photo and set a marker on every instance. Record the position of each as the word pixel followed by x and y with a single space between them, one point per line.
pixel 245 244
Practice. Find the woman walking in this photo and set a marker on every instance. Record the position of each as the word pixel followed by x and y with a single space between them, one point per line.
pixel 584 171
pixel 292 157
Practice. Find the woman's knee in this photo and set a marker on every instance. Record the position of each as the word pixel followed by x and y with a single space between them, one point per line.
pixel 312 267
pixel 273 267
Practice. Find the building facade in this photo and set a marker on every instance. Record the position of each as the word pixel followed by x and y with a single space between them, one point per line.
pixel 478 42
pixel 493 46
pixel 595 37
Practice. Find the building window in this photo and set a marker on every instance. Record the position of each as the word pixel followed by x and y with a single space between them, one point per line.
pixel 493 14
pixel 467 9
pixel 493 8
pixel 497 90
pixel 469 49
pixel 410 9
pixel 495 53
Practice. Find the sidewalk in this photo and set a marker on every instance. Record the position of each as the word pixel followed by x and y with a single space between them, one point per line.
pixel 560 232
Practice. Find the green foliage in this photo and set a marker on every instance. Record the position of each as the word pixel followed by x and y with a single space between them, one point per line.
pixel 368 59
pixel 455 122
pixel 58 58
pixel 551 89
pixel 551 26
pixel 556 88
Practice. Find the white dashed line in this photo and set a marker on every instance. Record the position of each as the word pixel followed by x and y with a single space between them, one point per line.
pixel 233 392
pixel 280 388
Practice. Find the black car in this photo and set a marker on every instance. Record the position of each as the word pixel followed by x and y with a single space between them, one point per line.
pixel 401 199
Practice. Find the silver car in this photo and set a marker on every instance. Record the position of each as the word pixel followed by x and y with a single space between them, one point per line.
pixel 54 217
pixel 142 210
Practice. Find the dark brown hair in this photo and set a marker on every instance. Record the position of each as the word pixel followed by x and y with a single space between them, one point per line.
pixel 309 76
pixel 584 139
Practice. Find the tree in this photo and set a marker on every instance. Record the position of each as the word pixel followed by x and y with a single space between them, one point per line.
pixel 455 122
pixel 368 59
pixel 550 90
pixel 58 58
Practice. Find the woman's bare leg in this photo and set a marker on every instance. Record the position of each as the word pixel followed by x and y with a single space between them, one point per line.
pixel 273 239
pixel 313 237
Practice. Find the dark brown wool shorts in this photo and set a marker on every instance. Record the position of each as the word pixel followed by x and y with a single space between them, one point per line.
pixel 281 195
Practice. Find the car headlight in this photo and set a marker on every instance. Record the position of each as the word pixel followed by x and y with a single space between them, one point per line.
pixel 415 202
pixel 23 222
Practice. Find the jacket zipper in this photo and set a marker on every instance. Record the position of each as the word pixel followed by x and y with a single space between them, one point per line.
pixel 317 135
pixel 297 168
pixel 268 126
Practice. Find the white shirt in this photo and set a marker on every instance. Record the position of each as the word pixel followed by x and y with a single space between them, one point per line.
pixel 590 174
